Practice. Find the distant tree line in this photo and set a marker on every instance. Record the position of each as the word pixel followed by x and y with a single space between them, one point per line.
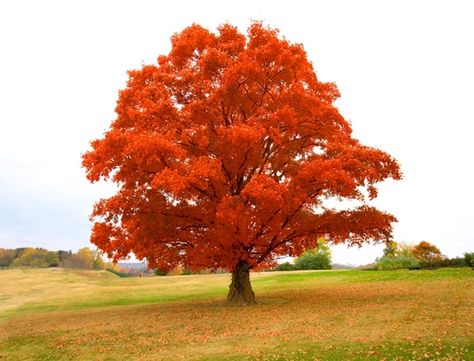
pixel 84 258
pixel 421 256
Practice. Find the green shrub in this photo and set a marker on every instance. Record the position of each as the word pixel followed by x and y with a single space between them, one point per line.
pixel 158 272
pixel 316 258
pixel 392 263
pixel 469 257
pixel 446 262
pixel 287 266
pixel 313 260
pixel 453 262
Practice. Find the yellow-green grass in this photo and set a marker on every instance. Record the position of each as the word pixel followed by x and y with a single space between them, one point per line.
pixel 58 314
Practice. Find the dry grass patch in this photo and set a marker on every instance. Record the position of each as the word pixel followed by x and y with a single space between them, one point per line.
pixel 301 322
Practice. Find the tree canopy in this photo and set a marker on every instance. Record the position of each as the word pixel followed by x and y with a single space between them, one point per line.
pixel 426 251
pixel 225 152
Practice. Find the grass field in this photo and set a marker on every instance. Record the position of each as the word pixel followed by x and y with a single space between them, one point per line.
pixel 58 314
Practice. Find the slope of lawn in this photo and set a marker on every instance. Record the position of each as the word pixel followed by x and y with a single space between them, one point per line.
pixel 58 314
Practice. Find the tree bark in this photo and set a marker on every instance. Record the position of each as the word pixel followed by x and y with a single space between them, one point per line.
pixel 240 289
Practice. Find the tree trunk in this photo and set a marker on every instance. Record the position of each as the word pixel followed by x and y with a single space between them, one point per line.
pixel 240 289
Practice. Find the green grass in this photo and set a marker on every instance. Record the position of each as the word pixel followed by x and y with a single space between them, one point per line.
pixel 57 314
pixel 42 290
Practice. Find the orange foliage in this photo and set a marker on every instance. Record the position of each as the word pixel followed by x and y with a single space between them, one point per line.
pixel 225 151
pixel 427 252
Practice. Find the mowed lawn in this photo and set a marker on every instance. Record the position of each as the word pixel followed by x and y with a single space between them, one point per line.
pixel 58 314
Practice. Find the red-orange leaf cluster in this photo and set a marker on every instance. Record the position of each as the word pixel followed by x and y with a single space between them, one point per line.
pixel 426 251
pixel 225 152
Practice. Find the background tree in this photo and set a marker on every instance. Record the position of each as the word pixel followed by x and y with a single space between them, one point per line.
pixel 404 250
pixel 51 258
pixel 19 251
pixel 6 257
pixel 225 153
pixel 397 255
pixel 426 251
pixel 391 249
pixel 83 259
pixel 98 261
pixel 87 259
pixel 33 257
pixel 63 255
pixel 469 258
pixel 316 258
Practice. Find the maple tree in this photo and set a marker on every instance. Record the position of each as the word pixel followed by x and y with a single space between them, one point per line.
pixel 225 153
pixel 426 251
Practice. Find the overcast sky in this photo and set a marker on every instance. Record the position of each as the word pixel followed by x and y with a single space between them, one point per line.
pixel 405 70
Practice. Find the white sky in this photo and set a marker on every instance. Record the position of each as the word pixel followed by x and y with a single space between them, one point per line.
pixel 405 70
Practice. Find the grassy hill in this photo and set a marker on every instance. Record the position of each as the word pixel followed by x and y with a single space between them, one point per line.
pixel 59 314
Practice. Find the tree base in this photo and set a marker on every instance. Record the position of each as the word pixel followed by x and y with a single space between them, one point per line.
pixel 240 289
